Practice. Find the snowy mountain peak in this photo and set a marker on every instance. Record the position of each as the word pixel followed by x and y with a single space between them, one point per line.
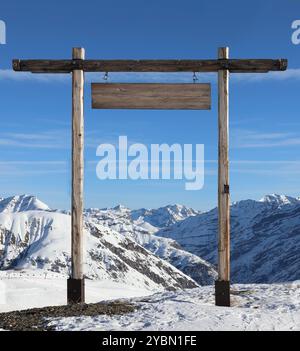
pixel 279 199
pixel 181 210
pixel 121 208
pixel 164 216
pixel 21 203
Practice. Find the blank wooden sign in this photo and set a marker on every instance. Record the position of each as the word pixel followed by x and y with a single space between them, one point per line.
pixel 151 96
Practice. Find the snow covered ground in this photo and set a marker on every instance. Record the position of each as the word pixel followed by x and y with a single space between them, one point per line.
pixel 129 258
pixel 255 307
pixel 29 290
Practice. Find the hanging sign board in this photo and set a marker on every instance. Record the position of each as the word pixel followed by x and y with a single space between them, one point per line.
pixel 151 96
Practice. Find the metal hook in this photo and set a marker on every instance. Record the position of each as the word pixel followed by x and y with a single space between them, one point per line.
pixel 195 78
pixel 105 77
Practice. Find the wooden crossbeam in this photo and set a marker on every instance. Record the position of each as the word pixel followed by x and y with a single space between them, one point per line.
pixel 232 65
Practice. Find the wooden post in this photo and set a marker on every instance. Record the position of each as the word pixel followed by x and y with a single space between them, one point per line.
pixel 76 281
pixel 223 283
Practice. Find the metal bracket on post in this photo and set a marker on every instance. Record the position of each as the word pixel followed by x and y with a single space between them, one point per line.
pixel 224 63
pixel 222 293
pixel 226 189
pixel 77 64
pixel 75 291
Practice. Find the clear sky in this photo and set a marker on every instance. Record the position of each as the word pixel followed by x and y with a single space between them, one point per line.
pixel 36 109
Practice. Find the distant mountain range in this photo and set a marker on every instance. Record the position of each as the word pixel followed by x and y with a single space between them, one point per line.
pixel 265 238
pixel 32 236
pixel 139 226
pixel 166 248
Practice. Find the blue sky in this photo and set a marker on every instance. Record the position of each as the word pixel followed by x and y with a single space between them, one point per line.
pixel 36 109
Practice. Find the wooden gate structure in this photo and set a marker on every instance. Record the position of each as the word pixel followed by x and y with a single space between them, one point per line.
pixel 223 66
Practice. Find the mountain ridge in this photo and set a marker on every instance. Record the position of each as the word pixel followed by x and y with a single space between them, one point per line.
pixel 265 238
pixel 41 240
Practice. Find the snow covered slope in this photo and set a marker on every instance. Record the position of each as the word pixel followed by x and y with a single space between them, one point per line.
pixel 41 240
pixel 22 203
pixel 39 288
pixel 120 219
pixel 265 238
pixel 255 307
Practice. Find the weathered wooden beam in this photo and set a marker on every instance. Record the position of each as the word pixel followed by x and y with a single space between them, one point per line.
pixel 233 65
pixel 223 283
pixel 151 96
pixel 76 281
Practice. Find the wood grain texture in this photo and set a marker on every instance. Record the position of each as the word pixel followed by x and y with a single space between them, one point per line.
pixel 233 65
pixel 77 168
pixel 151 96
pixel 223 172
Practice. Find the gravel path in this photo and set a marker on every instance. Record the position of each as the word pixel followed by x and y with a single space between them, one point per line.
pixel 35 319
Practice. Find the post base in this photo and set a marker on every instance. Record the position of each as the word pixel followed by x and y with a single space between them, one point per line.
pixel 222 293
pixel 75 291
